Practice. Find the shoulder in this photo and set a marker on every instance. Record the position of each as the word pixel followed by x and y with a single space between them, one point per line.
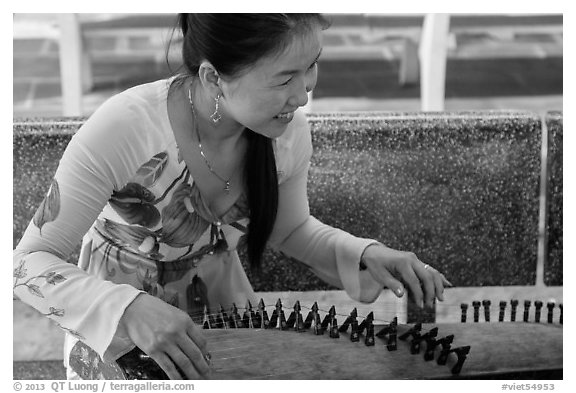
pixel 132 116
pixel 141 103
pixel 123 133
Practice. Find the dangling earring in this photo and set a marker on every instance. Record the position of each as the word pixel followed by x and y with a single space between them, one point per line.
pixel 215 117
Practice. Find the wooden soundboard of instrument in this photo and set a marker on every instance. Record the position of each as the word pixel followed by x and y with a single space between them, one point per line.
pixel 308 345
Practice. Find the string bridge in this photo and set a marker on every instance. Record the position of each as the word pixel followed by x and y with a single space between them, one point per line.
pixel 353 328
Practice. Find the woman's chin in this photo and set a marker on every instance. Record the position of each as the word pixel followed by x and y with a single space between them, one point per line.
pixel 273 131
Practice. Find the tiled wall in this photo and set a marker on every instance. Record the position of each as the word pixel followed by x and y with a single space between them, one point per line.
pixel 461 190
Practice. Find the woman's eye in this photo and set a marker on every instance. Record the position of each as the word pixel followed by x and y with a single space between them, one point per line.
pixel 309 69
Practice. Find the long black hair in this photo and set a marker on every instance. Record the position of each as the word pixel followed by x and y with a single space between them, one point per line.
pixel 233 43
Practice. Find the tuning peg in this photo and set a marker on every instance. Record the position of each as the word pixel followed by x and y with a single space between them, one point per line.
pixel 431 344
pixel 310 317
pixel 502 311
pixel 476 305
pixel 461 353
pixel 348 321
pixel 550 305
pixel 295 318
pixel 249 317
pixel 333 328
pixel 538 304
pixel 415 330
pixel 486 304
pixel 262 320
pixel 328 318
pixel 417 340
pixel 207 321
pixel 514 306
pixel 354 333
pixel 369 318
pixel 318 329
pixel 369 340
pixel 526 309
pixel 313 320
pixel 464 308
pixel 235 320
pixel 391 331
pixel 222 320
pixel 278 319
pixel 446 344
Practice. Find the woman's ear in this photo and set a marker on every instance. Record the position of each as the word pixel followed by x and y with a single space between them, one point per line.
pixel 209 78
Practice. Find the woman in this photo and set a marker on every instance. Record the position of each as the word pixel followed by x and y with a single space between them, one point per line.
pixel 164 179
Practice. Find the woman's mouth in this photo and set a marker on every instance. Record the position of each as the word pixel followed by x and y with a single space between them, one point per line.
pixel 285 117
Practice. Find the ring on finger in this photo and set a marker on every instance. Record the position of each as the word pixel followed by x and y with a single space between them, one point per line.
pixel 208 357
pixel 429 268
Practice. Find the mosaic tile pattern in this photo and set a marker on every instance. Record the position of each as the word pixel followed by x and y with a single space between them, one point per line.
pixel 38 145
pixel 553 266
pixel 460 190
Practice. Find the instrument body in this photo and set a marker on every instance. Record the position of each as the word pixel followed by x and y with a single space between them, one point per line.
pixel 506 350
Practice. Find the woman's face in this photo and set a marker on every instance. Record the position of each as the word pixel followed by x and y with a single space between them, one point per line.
pixel 265 97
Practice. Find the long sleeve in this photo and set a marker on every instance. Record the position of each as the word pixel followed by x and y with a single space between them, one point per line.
pixel 100 158
pixel 332 254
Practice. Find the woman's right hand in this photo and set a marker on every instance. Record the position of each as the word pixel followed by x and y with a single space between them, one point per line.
pixel 168 335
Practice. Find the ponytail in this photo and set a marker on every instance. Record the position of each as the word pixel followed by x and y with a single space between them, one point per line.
pixel 262 189
pixel 183 23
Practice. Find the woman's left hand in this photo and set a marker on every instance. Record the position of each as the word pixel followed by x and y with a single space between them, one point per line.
pixel 394 269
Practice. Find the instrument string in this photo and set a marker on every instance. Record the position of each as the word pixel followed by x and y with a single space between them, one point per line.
pixel 389 309
pixel 228 309
pixel 241 341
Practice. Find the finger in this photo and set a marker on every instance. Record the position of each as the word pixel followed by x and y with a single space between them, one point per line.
pixel 410 278
pixel 199 358
pixel 384 277
pixel 437 282
pixel 167 365
pixel 188 363
pixel 425 274
pixel 446 282
pixel 195 334
pixel 439 285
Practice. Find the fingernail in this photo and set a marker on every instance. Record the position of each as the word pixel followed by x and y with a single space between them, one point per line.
pixel 399 291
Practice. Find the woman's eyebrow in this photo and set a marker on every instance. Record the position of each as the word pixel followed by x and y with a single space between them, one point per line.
pixel 289 72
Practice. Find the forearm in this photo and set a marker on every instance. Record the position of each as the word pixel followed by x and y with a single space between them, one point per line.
pixel 333 255
pixel 84 306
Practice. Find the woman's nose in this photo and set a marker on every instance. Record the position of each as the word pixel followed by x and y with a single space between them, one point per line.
pixel 301 95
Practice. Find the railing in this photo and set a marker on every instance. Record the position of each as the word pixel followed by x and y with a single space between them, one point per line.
pixel 425 40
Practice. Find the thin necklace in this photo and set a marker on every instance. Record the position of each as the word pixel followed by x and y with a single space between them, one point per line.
pixel 226 181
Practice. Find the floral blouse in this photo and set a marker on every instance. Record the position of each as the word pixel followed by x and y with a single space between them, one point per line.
pixel 122 190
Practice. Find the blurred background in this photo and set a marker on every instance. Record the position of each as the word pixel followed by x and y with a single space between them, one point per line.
pixel 68 64
pixel 370 62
